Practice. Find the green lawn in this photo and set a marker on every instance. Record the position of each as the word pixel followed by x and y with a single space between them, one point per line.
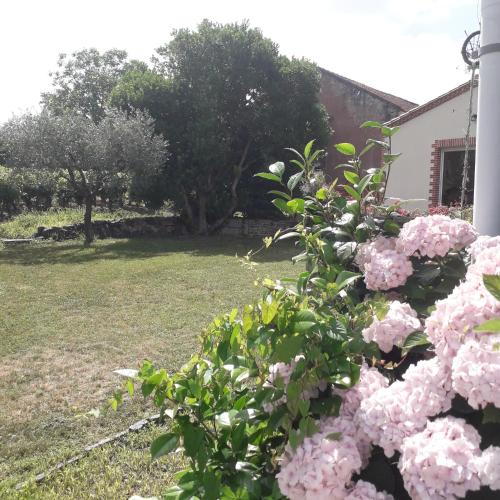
pixel 71 315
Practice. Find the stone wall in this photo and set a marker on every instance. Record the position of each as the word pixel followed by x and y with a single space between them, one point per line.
pixel 156 227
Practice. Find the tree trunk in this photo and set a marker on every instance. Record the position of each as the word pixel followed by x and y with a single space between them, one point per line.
pixel 237 173
pixel 202 214
pixel 188 210
pixel 87 220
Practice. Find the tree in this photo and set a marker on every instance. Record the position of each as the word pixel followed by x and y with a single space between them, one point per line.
pixel 146 90
pixel 82 83
pixel 228 103
pixel 83 152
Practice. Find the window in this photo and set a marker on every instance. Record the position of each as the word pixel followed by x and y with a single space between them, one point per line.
pixel 451 177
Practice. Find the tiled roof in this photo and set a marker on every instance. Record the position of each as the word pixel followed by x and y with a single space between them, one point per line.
pixel 399 102
pixel 434 103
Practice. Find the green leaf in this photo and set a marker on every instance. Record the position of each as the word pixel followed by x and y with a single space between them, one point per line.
pixel 371 124
pixel 296 153
pixel 281 204
pixel 303 326
pixel 352 192
pixel 269 310
pixel 345 278
pixel 211 485
pixel 238 435
pixel 492 284
pixel 164 444
pixel 364 182
pixel 413 340
pixel 389 158
pixel 334 436
pixel 346 148
pixel 287 348
pixel 195 388
pixel 296 205
pixel 277 169
pixel 427 274
pixel 173 493
pixel 297 163
pixel 305 315
pixel 228 494
pixel 382 144
pixel 266 175
pixel 227 418
pixel 321 194
pixel 352 177
pixel 307 149
pixel 294 180
pixel 287 236
pixel 304 407
pixel 192 438
pixel 346 250
pixel 491 415
pixel 130 387
pixel 367 148
pixel 295 438
pixel 490 326
pixel 388 131
pixel 391 227
pixel 281 193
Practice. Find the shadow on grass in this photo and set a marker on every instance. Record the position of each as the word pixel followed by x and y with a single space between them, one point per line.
pixel 75 252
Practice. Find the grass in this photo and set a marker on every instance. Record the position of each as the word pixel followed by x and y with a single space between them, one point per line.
pixel 25 224
pixel 71 315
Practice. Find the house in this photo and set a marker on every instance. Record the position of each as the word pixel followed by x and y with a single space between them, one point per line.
pixel 349 104
pixel 431 141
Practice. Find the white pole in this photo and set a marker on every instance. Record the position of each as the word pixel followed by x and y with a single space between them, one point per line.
pixel 487 174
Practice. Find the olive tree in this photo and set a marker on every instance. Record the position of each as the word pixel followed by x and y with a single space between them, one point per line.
pixel 83 81
pixel 84 152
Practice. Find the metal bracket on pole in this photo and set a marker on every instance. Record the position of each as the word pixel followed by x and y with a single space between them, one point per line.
pixel 487 49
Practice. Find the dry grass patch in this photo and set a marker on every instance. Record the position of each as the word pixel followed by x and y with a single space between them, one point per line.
pixel 69 316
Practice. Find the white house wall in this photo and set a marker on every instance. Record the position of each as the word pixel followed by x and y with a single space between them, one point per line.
pixel 410 174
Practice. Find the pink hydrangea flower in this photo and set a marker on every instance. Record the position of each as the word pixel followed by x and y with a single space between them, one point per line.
pixel 488 465
pixel 434 235
pixel 322 466
pixel 399 322
pixel 400 410
pixel 363 490
pixel 387 269
pixel 476 371
pixel 487 262
pixel 370 381
pixel 439 463
pixel 482 243
pixel 455 317
pixel 367 250
pixel 383 266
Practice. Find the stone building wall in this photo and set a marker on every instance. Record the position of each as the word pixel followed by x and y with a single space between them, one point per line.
pixel 349 104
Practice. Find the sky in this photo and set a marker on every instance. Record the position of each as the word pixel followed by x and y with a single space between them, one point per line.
pixel 410 48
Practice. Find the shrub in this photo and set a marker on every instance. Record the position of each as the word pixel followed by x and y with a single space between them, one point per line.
pixel 292 396
pixel 9 196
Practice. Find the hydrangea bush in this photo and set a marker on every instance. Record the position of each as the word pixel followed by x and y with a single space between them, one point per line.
pixel 374 374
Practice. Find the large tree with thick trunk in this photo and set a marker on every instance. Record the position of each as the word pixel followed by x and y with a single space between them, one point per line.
pixel 228 103
pixel 82 151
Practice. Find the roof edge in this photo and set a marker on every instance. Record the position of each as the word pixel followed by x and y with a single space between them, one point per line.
pixel 397 101
pixel 433 103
